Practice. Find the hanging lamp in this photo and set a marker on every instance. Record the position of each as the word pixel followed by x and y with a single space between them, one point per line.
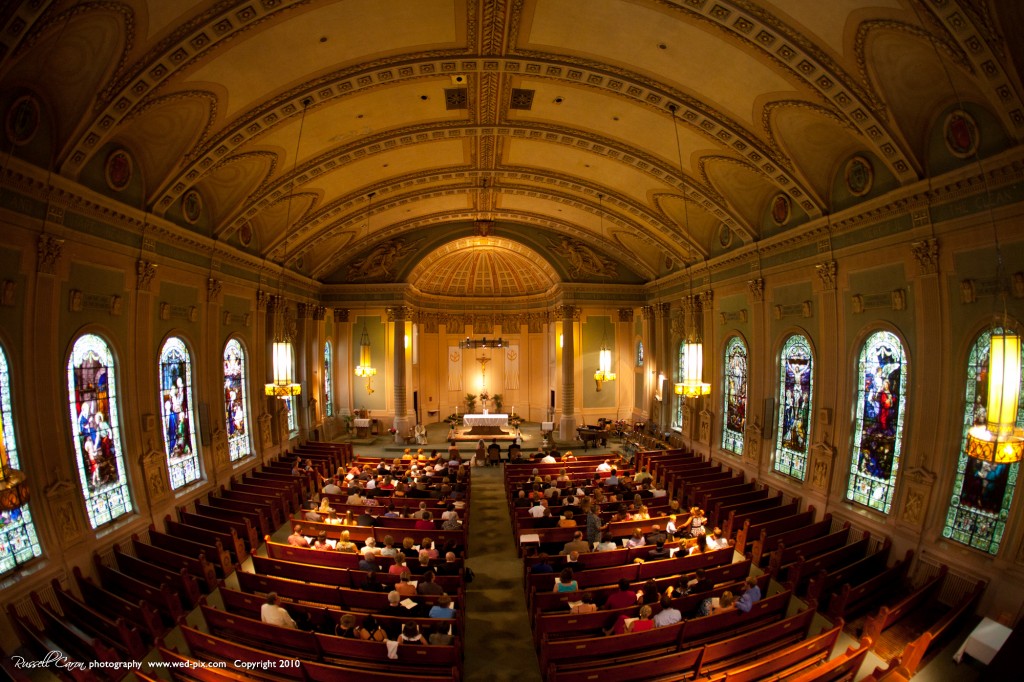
pixel 692 384
pixel 284 384
pixel 365 368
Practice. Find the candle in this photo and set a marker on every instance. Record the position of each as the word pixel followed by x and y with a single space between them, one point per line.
pixel 513 409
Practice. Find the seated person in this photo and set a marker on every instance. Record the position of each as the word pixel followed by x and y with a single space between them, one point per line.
pixel 273 614
pixel 623 598
pixel 587 605
pixel 296 539
pixel 443 608
pixel 727 602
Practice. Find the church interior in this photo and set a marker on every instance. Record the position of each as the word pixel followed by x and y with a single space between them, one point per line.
pixel 785 237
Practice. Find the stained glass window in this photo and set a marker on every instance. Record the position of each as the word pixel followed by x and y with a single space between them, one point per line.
pixel 982 491
pixel 796 383
pixel 677 420
pixel 639 353
pixel 734 395
pixel 289 409
pixel 178 420
pixel 878 431
pixel 18 541
pixel 236 402
pixel 328 402
pixel 92 396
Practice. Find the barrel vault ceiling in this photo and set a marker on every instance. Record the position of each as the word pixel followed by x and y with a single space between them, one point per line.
pixel 599 140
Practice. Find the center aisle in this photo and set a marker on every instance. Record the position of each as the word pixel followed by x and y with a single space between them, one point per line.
pixel 499 641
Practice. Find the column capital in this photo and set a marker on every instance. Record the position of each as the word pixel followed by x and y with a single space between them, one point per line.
pixel 48 252
pixel 625 314
pixel 567 311
pixel 756 289
pixel 319 312
pixel 398 312
pixel 827 274
pixel 341 314
pixel 213 288
pixel 926 253
pixel 144 272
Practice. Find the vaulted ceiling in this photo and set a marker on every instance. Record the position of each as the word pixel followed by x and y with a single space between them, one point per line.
pixel 453 143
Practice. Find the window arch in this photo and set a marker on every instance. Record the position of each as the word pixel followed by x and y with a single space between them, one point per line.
pixel 982 491
pixel 176 408
pixel 878 430
pixel 639 353
pixel 328 401
pixel 796 386
pixel 92 396
pixel 734 391
pixel 236 401
pixel 680 377
pixel 18 541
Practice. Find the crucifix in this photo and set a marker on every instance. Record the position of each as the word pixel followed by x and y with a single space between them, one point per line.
pixel 483 360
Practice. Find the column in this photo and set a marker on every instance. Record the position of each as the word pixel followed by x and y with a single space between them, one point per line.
pixel 663 332
pixel 567 426
pixel 822 454
pixel 403 422
pixel 624 364
pixel 650 361
pixel 303 371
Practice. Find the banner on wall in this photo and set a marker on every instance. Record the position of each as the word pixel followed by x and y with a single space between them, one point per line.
pixel 512 368
pixel 454 368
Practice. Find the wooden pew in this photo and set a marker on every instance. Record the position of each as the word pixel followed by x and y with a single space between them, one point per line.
pixel 139 612
pixel 181 581
pixel 824 582
pixel 196 565
pixel 788 661
pixel 264 512
pixel 735 651
pixel 207 647
pixel 914 652
pixel 273 506
pixel 806 567
pixel 242 527
pixel 80 644
pixel 215 553
pixel 339 597
pixel 249 605
pixel 744 520
pixel 854 599
pixel 255 633
pixel 755 534
pixel 164 601
pixel 340 577
pixel 843 667
pixel 784 555
pixel 117 634
pixel 256 519
pixel 887 616
pixel 38 642
pixel 229 540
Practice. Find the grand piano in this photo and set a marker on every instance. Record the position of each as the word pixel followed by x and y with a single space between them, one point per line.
pixel 592 435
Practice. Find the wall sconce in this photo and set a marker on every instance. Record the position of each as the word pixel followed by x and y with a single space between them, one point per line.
pixel 365 370
pixel 604 363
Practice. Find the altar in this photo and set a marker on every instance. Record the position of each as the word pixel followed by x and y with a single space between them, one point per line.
pixel 485 424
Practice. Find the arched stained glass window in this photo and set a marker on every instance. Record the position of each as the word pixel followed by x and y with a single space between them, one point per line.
pixel 289 408
pixel 639 353
pixel 878 431
pixel 328 401
pixel 178 420
pixel 677 421
pixel 796 384
pixel 92 396
pixel 734 395
pixel 18 541
pixel 236 401
pixel 982 491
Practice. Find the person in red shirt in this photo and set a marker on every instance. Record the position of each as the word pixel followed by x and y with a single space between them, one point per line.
pixel 426 522
pixel 621 599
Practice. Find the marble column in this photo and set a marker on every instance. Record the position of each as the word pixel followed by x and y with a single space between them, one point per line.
pixel 403 422
pixel 567 427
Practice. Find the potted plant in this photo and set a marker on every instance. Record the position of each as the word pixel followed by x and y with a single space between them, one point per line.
pixel 471 403
pixel 497 402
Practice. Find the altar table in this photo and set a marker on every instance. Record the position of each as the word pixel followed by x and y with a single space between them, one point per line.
pixel 984 641
pixel 485 424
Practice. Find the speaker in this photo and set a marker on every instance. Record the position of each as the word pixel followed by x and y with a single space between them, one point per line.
pixel 552 398
pixel 769 419
pixel 416 401
pixel 204 424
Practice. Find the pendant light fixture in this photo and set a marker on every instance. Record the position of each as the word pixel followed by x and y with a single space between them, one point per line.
pixel 365 369
pixel 284 385
pixel 692 384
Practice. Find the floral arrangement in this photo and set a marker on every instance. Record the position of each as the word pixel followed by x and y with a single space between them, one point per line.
pixel 392 430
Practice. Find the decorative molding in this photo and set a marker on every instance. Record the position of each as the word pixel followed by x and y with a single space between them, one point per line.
pixel 144 272
pixel 180 312
pixel 926 253
pixel 48 253
pixel 732 316
pixel 213 288
pixel 341 314
pixel 899 299
pixel 1016 285
pixel 63 500
pixel 626 314
pixel 857 300
pixel 262 299
pixel 8 293
pixel 319 312
pixel 706 299
pixel 266 437
pixel 221 458
pixel 573 312
pixel 968 291
pixel 662 310
pixel 756 289
pixel 647 312
pixel 400 312
pixel 154 472
pixel 804 309
pixel 752 442
pixel 75 300
pixel 303 310
pixel 827 275
pixel 918 485
pixel 705 427
pixel 822 457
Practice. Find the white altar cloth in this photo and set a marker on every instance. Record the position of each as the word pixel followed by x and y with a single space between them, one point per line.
pixel 472 420
pixel 361 423
pixel 984 641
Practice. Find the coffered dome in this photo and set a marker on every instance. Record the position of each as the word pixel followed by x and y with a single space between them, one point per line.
pixel 483 266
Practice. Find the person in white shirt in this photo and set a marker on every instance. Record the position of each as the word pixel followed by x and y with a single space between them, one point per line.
pixel 667 615
pixel 641 476
pixel 604 466
pixel 273 614
pixel 537 510
pixel 716 540
pixel 548 459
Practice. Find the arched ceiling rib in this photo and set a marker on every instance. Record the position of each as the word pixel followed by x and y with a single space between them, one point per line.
pixel 551 115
